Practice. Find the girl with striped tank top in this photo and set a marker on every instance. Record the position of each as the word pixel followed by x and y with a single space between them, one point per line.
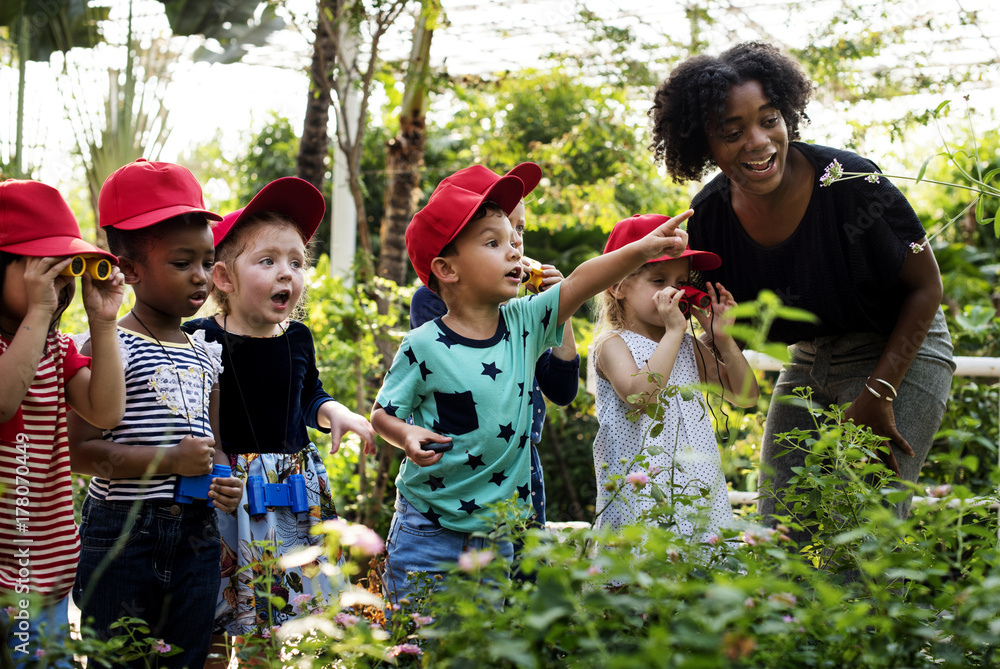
pixel 145 553
pixel 42 376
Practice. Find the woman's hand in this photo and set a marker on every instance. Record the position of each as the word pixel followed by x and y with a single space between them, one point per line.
pixel 866 409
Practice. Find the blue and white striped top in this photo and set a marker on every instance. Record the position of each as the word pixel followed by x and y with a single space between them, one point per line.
pixel 167 390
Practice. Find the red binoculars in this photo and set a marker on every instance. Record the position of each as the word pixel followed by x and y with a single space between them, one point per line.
pixel 693 296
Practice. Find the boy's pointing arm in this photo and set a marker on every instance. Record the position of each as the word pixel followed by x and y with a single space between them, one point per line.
pixel 605 270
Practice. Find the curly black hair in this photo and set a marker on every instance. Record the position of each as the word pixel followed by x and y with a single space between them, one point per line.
pixel 694 96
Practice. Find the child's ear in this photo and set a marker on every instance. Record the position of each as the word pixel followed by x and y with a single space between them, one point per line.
pixel 129 270
pixel 443 270
pixel 222 278
pixel 616 291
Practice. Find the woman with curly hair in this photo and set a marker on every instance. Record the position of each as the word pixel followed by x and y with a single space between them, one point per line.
pixel 854 254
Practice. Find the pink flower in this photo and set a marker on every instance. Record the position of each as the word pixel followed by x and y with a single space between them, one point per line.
pixel 713 540
pixel 160 646
pixel 299 601
pixel 346 619
pixel 422 621
pixel 637 479
pixel 940 491
pixel 787 619
pixel 654 471
pixel 41 652
pixel 749 603
pixel 405 649
pixel 471 561
pixel 362 539
pixel 594 569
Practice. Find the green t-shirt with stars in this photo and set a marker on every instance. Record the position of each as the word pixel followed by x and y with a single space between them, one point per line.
pixel 477 391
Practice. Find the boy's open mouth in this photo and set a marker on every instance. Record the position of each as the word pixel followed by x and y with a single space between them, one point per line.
pixel 281 298
pixel 761 165
pixel 515 273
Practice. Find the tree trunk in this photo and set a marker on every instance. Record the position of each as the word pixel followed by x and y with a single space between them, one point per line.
pixel 403 165
pixel 315 145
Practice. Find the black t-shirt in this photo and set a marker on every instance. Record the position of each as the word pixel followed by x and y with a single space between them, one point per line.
pixel 841 263
pixel 270 389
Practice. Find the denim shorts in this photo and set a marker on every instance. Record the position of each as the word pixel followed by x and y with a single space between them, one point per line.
pixel 418 546
pixel 165 570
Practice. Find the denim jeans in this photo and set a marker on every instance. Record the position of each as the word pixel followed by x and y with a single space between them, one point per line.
pixel 836 368
pixel 166 571
pixel 49 625
pixel 418 546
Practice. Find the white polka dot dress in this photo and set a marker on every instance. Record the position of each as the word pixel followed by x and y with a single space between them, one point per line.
pixel 694 464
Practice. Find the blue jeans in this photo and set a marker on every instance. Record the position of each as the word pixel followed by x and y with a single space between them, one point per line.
pixel 418 546
pixel 166 571
pixel 33 629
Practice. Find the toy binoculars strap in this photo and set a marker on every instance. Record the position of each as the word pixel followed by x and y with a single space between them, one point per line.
pixel 693 296
pixel 98 268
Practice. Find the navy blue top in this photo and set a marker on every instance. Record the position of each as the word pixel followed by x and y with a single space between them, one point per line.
pixel 558 379
pixel 270 388
pixel 841 263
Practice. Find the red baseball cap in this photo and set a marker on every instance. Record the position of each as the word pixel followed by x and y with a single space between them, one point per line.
pixel 293 197
pixel 478 178
pixel 449 209
pixel 36 221
pixel 635 228
pixel 144 193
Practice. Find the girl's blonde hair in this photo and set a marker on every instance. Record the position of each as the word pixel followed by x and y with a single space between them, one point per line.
pixel 612 314
pixel 240 240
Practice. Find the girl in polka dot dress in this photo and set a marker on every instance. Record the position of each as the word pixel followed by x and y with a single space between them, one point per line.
pixel 644 346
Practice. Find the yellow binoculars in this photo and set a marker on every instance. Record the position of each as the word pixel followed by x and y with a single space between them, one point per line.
pixel 98 268
pixel 534 275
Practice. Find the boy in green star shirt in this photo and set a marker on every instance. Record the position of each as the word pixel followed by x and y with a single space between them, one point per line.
pixel 466 377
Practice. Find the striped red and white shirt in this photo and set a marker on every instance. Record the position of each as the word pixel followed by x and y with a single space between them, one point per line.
pixel 39 541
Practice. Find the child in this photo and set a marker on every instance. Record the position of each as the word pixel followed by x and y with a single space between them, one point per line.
pixel 645 333
pixel 271 392
pixel 42 372
pixel 145 555
pixel 465 377
pixel 557 372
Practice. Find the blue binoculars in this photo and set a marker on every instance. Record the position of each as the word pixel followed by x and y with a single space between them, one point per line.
pixel 262 495
pixel 190 488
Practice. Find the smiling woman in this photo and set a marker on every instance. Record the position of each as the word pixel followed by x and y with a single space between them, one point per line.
pixel 839 254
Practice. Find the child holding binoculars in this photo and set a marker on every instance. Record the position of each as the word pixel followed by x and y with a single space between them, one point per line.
pixel 642 322
pixel 147 552
pixel 43 375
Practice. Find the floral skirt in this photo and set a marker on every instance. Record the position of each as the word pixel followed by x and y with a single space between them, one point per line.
pixel 253 544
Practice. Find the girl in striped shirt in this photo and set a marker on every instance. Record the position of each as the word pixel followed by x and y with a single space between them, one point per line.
pixel 43 376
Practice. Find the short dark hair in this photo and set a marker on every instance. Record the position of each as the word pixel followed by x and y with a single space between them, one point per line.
pixel 695 94
pixel 134 244
pixel 450 249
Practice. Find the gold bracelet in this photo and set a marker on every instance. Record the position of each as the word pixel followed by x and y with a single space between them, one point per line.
pixel 873 392
pixel 889 386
